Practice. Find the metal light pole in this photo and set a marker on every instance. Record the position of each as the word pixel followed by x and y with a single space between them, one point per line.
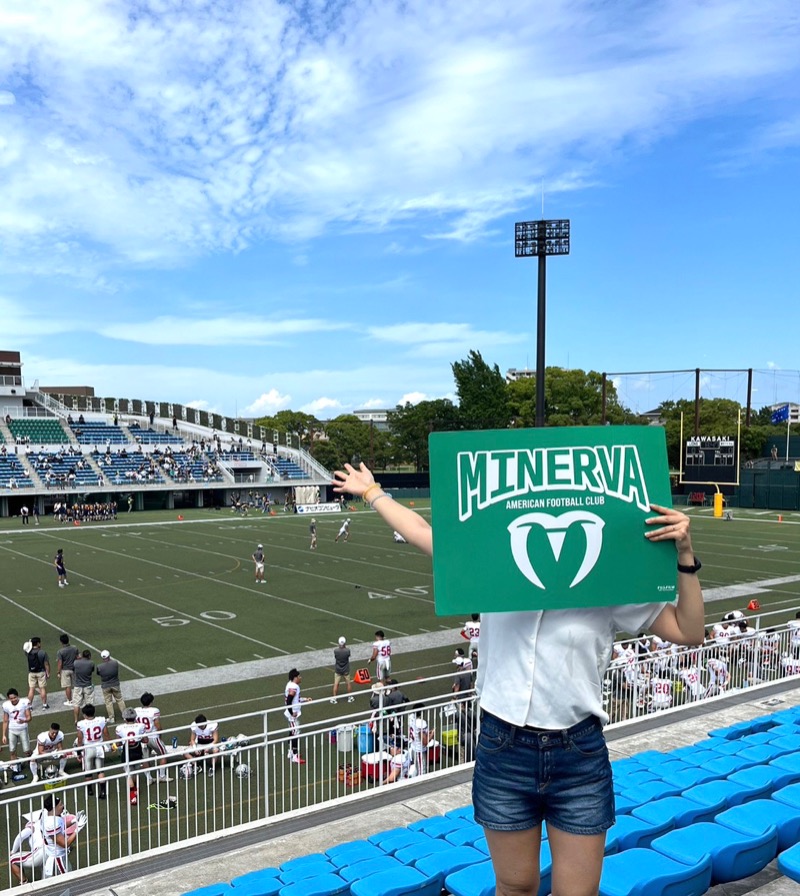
pixel 541 238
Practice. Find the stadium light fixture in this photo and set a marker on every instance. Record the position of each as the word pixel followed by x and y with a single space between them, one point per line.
pixel 540 239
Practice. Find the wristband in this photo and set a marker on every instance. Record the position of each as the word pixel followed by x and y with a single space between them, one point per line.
pixel 368 490
pixel 690 570
pixel 375 500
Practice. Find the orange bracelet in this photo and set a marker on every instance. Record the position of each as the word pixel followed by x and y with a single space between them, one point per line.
pixel 368 490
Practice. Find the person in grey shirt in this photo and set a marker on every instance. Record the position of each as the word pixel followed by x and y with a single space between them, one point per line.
pixel 83 692
pixel 341 672
pixel 108 670
pixel 66 667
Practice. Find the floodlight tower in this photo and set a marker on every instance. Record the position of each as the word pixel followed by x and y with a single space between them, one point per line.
pixel 541 238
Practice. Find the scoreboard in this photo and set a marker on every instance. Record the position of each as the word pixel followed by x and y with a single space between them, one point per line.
pixel 710 458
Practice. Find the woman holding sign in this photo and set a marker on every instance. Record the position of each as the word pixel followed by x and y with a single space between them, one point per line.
pixel 541 754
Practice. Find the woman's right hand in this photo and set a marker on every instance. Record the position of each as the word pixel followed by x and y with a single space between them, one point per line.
pixel 352 481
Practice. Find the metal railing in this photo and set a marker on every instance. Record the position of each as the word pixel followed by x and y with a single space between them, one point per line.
pixel 245 780
pixel 250 779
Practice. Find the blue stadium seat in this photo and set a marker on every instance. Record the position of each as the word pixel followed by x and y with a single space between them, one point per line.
pixel 397 838
pixel 265 886
pixel 734 855
pixel 762 780
pixel 681 810
pixel 722 793
pixel 652 790
pixel 465 836
pixel 789 862
pixel 789 794
pixel 222 889
pixel 352 852
pixel 257 883
pixel 369 867
pixel 468 812
pixel 440 864
pixel 758 816
pixel 689 776
pixel 261 874
pixel 412 854
pixel 645 872
pixel 477 880
pixel 321 885
pixel 401 882
pixel 727 765
pixel 629 832
pixel 438 826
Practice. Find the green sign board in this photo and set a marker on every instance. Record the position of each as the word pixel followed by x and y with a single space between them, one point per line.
pixel 538 519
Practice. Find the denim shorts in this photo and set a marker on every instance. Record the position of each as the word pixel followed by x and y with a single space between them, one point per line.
pixel 524 776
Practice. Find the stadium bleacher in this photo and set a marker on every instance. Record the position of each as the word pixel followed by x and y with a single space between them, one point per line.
pixel 93 433
pixel 152 436
pixel 122 467
pixel 63 469
pixel 38 431
pixel 12 474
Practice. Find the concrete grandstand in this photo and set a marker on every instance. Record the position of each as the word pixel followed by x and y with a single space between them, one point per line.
pixel 61 444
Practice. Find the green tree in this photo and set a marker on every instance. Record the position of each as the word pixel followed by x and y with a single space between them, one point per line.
pixel 347 442
pixel 482 393
pixel 571 398
pixel 411 424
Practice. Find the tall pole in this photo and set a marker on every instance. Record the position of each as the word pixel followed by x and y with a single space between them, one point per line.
pixel 540 339
pixel 541 238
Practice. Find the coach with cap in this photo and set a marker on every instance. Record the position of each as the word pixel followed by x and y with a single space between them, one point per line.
pixel 341 672
pixel 108 670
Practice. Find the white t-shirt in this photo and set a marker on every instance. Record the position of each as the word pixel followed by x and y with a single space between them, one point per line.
pixel 16 714
pixel 545 668
pixel 417 729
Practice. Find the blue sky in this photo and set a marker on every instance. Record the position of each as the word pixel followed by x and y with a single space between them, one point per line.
pixel 256 205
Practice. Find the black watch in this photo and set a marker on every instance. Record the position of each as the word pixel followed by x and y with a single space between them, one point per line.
pixel 691 570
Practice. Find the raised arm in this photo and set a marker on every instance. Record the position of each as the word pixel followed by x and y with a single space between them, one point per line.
pixel 410 525
pixel 683 622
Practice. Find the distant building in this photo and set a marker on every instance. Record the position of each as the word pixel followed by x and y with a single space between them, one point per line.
pixel 794 410
pixel 514 373
pixel 653 417
pixel 378 417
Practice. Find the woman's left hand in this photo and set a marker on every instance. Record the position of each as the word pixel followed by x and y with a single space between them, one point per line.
pixel 672 525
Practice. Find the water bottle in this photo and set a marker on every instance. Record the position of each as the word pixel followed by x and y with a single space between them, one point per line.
pixel 175 742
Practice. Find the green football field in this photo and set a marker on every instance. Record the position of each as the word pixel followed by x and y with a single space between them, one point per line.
pixel 173 596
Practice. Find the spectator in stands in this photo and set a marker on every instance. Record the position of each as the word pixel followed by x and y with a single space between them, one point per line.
pixel 520 694
pixel 83 693
pixel 65 658
pixel 38 671
pixel 108 670
pixel 341 670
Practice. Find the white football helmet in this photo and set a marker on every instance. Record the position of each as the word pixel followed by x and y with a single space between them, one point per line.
pixel 242 770
pixel 188 770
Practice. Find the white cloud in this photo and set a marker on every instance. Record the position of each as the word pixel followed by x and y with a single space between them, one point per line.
pixel 443 340
pixel 202 405
pixel 267 404
pixel 322 404
pixel 195 128
pixel 371 403
pixel 234 329
pixel 412 398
